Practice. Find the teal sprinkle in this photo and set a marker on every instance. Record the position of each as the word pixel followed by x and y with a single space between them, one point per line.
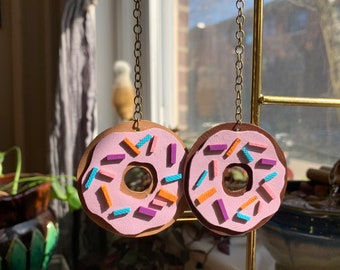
pixel 144 141
pixel 242 216
pixel 247 154
pixel 270 176
pixel 91 177
pixel 200 180
pixel 172 178
pixel 122 211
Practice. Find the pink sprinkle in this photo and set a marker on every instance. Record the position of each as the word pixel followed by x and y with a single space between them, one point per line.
pixel 215 167
pixel 222 208
pixel 159 203
pixel 267 161
pixel 268 189
pixel 173 153
pixel 153 144
pixel 107 173
pixel 115 157
pixel 259 145
pixel 258 207
pixel 146 211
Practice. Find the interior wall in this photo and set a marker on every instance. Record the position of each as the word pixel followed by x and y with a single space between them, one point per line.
pixel 29 41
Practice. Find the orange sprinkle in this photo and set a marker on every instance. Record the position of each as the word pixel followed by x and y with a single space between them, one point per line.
pixel 247 203
pixel 233 147
pixel 201 198
pixel 106 195
pixel 167 195
pixel 132 146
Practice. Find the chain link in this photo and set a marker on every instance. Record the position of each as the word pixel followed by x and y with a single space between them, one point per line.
pixel 137 29
pixel 239 50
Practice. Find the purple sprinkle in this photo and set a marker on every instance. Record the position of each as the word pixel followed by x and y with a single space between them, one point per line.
pixel 146 211
pixel 217 147
pixel 267 161
pixel 115 157
pixel 222 208
pixel 173 153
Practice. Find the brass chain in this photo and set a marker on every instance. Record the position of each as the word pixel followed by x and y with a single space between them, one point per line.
pixel 137 29
pixel 239 50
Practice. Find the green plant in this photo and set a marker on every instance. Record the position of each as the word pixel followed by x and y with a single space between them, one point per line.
pixel 67 192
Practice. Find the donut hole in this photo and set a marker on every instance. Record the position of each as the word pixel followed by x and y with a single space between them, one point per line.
pixel 139 179
pixel 237 179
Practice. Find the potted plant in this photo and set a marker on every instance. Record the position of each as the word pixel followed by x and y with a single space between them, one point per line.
pixel 28 227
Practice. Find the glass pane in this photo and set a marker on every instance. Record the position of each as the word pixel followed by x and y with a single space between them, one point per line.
pixel 207 64
pixel 299 49
pixel 309 136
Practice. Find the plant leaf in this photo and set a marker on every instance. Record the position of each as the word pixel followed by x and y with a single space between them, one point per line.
pixel 72 197
pixel 58 192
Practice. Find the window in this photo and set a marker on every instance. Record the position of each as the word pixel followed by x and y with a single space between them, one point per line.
pixel 189 71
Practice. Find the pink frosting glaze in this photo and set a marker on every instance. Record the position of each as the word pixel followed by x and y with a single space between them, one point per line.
pixel 209 208
pixel 158 156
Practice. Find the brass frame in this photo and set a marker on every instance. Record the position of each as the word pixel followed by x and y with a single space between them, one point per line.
pixel 259 99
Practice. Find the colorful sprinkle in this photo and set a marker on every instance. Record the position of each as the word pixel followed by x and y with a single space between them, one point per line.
pixel 217 147
pixel 222 208
pixel 233 147
pixel 267 161
pixel 268 189
pixel 159 203
pixel 91 177
pixel 258 145
pixel 242 216
pixel 167 195
pixel 172 178
pixel 144 141
pixel 131 146
pixel 107 173
pixel 204 196
pixel 247 154
pixel 258 207
pixel 122 211
pixel 201 178
pixel 115 157
pixel 146 211
pixel 173 148
pixel 214 165
pixel 270 176
pixel 153 144
pixel 106 195
pixel 247 203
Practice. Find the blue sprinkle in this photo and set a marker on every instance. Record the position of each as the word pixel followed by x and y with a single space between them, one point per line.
pixel 172 178
pixel 242 216
pixel 122 211
pixel 144 141
pixel 200 180
pixel 270 176
pixel 247 154
pixel 91 177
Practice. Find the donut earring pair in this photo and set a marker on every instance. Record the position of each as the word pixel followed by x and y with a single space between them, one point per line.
pixel 134 179
pixel 209 177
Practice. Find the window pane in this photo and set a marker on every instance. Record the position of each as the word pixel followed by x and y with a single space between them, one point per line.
pixel 207 64
pixel 309 136
pixel 295 58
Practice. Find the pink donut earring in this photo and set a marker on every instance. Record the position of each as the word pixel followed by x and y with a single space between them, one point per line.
pixel 235 173
pixel 130 177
